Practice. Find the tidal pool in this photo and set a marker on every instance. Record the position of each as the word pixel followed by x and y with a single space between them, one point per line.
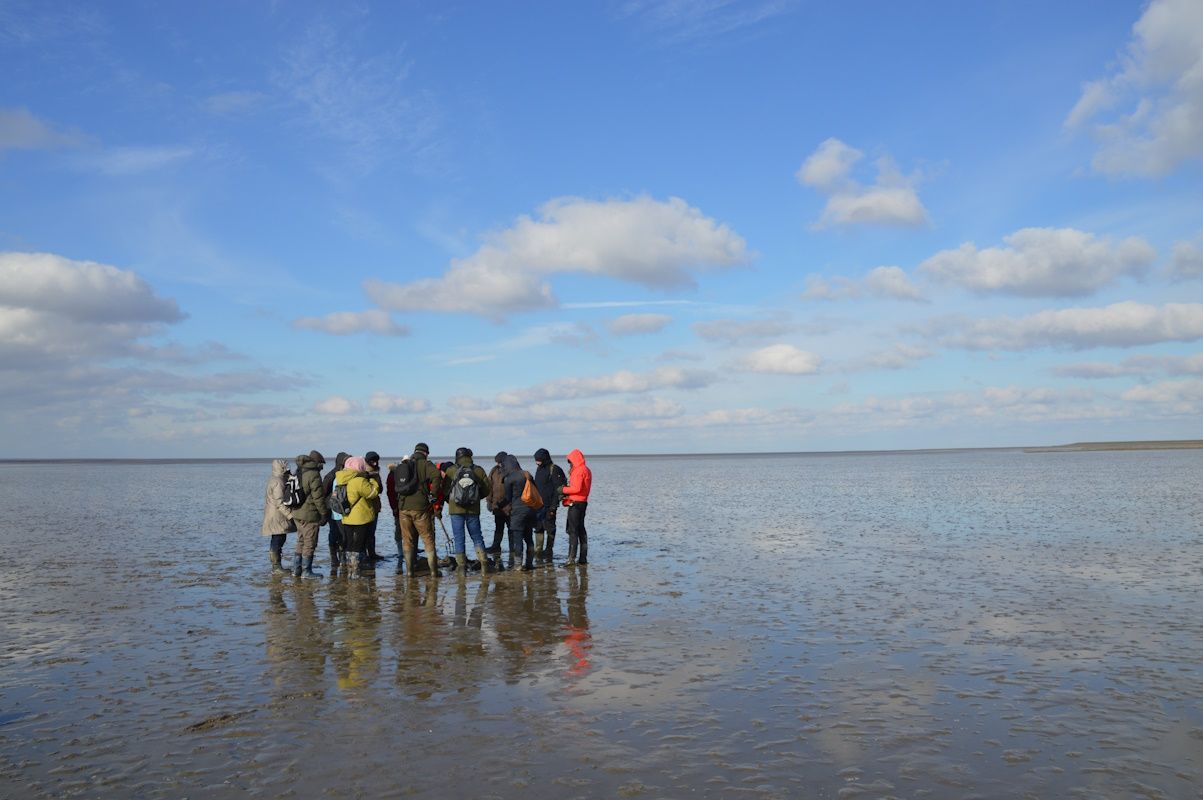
pixel 942 625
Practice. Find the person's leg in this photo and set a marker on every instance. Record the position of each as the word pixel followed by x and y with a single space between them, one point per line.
pixel 274 548
pixel 528 527
pixel 306 544
pixel 457 533
pixel 334 538
pixel 498 531
pixel 370 540
pixel 473 523
pixel 405 521
pixel 570 529
pixel 425 525
pixel 582 536
pixel 549 529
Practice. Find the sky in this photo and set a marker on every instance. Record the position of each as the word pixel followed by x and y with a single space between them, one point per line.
pixel 247 229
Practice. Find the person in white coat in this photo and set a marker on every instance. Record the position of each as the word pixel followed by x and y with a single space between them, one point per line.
pixel 277 517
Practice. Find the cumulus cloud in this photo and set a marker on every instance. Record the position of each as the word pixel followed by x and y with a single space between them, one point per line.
pixel 621 382
pixel 890 200
pixel 84 291
pixel 1127 324
pixel 397 404
pixel 347 323
pixel 1147 116
pixel 21 130
pixel 1187 262
pixel 645 241
pixel 1042 262
pixel 882 282
pixel 634 324
pixel 335 406
pixel 779 359
pixel 734 332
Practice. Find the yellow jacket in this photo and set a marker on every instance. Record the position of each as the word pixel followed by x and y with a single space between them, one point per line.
pixel 360 492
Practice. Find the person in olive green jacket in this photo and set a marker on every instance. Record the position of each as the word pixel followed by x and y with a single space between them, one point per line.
pixel 361 494
pixel 414 513
pixel 467 483
pixel 313 513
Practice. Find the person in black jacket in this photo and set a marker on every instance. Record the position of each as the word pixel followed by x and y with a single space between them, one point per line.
pixel 549 480
pixel 522 516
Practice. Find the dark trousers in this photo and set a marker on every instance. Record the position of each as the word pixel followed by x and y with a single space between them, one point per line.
pixel 277 543
pixel 500 521
pixel 335 536
pixel 578 538
pixel 521 532
pixel 355 537
pixel 370 542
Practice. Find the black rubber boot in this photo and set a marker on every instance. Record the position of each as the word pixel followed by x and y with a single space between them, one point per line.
pixel 274 557
pixel 296 567
pixel 529 563
pixel 549 553
pixel 309 573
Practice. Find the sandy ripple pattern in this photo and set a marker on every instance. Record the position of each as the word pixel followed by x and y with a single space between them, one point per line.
pixel 974 624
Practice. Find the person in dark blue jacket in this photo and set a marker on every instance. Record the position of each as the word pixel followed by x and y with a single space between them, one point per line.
pixel 522 516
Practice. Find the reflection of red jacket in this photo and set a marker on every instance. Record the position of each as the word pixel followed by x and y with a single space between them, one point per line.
pixel 580 479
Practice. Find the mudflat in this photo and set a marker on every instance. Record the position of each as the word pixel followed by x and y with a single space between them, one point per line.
pixel 941 625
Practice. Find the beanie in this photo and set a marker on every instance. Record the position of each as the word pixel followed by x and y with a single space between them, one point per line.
pixel 423 448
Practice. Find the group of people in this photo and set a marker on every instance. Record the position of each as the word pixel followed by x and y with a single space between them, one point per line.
pixel 348 499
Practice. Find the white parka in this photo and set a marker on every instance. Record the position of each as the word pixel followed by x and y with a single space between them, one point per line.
pixel 277 517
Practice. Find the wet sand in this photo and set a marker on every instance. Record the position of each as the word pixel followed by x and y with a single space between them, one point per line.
pixel 952 625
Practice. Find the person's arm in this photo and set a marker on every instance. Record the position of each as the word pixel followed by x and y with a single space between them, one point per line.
pixel 576 482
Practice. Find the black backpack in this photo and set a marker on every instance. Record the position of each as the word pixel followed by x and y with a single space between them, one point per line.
pixel 464 490
pixel 339 502
pixel 405 477
pixel 294 495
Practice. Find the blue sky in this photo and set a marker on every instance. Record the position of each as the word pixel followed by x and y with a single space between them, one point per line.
pixel 253 228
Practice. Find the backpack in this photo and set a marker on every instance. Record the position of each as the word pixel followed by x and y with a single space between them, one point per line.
pixel 294 495
pixel 530 495
pixel 405 477
pixel 339 502
pixel 464 491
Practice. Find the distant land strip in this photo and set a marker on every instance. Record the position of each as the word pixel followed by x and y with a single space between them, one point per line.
pixel 1079 447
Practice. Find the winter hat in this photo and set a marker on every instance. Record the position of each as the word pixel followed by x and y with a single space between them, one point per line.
pixel 423 448
pixel 316 456
pixel 372 457
pixel 356 463
pixel 542 456
pixel 500 457
pixel 463 452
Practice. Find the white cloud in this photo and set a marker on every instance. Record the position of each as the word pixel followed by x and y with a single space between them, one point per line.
pixel 1126 324
pixel 335 406
pixel 124 161
pixel 397 404
pixel 644 241
pixel 900 356
pixel 21 130
pixel 1148 114
pixel 890 200
pixel 621 382
pixel 80 291
pixel 1140 366
pixel 1042 262
pixel 234 102
pixel 676 22
pixel 633 324
pixel 780 359
pixel 882 282
pixel 1187 262
pixel 736 332
pixel 347 323
pixel 1185 396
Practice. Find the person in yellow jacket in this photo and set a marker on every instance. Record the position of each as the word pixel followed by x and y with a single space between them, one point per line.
pixel 362 493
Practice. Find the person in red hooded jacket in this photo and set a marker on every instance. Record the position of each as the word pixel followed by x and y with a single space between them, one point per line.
pixel 576 497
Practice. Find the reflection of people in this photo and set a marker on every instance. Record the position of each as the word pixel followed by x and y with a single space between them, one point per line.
pixel 277 517
pixel 577 636
pixel 576 497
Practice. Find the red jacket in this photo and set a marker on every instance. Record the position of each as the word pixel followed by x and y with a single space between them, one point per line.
pixel 580 479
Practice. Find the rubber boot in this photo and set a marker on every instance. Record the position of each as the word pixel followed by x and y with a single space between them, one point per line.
pixel 461 564
pixel 539 545
pixel 309 573
pixel 571 552
pixel 353 563
pixel 296 567
pixel 549 553
pixel 274 557
pixel 484 561
pixel 529 562
pixel 333 557
pixel 409 563
pixel 433 560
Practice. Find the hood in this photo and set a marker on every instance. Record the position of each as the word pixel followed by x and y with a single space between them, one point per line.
pixel 511 465
pixel 340 460
pixel 576 458
pixel 279 467
pixel 305 462
pixel 542 456
pixel 344 476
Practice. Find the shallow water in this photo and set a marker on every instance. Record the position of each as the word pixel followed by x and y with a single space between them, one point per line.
pixel 972 624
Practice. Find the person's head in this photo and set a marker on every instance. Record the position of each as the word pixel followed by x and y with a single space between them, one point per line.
pixel 500 457
pixel 340 460
pixel 463 452
pixel 356 463
pixel 422 449
pixel 316 457
pixel 373 460
pixel 542 456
